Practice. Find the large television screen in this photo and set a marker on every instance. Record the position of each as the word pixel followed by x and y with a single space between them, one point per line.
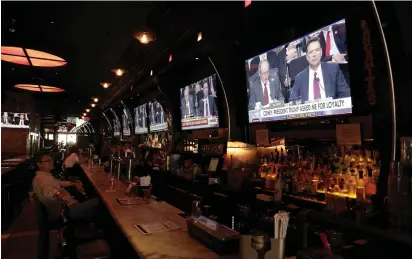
pixel 127 123
pixel 308 77
pixel 157 117
pixel 15 120
pixel 140 116
pixel 198 104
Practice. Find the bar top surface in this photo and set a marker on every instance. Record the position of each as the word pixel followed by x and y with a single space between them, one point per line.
pixel 175 244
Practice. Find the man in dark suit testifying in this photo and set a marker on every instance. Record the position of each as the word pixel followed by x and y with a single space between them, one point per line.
pixel 266 88
pixel 207 105
pixel 319 80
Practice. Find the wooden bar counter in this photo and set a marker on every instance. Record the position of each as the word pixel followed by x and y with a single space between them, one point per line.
pixel 175 244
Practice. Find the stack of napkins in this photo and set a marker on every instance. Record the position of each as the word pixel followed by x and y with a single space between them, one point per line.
pixel 145 181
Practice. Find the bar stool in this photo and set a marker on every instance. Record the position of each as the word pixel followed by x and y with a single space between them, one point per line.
pixel 68 239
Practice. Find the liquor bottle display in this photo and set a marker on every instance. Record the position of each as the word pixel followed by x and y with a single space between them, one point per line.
pixel 344 172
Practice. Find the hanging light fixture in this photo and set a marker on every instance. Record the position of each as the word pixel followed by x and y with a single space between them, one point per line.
pixel 145 36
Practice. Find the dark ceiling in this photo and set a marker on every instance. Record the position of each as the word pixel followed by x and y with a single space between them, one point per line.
pixel 90 36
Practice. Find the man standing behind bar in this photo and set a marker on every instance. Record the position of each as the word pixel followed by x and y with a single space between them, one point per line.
pixel 319 80
pixel 266 89
pixel 207 106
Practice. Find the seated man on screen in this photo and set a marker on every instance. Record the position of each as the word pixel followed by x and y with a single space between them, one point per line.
pixel 332 39
pixel 265 89
pixel 207 106
pixel 5 118
pixel 319 80
pixel 187 104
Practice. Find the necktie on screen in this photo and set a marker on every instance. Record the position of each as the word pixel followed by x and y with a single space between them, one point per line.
pixel 327 51
pixel 207 107
pixel 316 88
pixel 266 95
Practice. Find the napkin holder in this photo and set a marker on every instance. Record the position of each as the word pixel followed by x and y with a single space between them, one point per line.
pixel 217 237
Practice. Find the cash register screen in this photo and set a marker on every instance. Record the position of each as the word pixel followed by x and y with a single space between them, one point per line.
pixel 213 164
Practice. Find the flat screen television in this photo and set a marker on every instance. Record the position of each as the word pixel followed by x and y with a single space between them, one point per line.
pixel 116 128
pixel 140 115
pixel 127 123
pixel 305 78
pixel 198 105
pixel 157 117
pixel 15 120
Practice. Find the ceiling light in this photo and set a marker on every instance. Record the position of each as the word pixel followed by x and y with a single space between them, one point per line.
pixel 37 58
pixel 170 58
pixel 39 88
pixel 87 110
pixel 93 105
pixel 95 99
pixel 118 71
pixel 151 72
pixel 84 114
pixel 105 84
pixel 197 58
pixel 145 36
pixel 199 36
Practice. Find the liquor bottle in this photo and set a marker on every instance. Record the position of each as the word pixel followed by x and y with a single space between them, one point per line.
pixel 360 190
pixel 370 186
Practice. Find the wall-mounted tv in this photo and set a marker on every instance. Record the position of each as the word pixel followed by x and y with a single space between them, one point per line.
pixel 127 123
pixel 308 77
pixel 157 117
pixel 116 128
pixel 198 105
pixel 15 120
pixel 140 116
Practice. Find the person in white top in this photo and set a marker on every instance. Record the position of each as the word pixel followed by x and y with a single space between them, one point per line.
pixel 73 158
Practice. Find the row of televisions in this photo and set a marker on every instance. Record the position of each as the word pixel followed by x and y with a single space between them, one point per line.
pixel 307 77
pixel 198 106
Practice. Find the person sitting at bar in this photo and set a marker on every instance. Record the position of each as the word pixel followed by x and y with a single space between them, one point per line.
pixel 72 157
pixel 48 190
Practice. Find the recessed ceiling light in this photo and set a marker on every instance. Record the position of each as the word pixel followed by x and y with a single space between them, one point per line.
pixel 37 58
pixel 93 105
pixel 118 71
pixel 84 114
pixel 197 58
pixel 95 99
pixel 151 72
pixel 87 110
pixel 39 88
pixel 199 36
pixel 105 84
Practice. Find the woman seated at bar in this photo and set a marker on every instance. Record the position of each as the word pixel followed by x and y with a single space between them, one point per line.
pixel 48 189
pixel 72 157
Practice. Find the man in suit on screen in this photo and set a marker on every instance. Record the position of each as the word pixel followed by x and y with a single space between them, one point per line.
pixel 187 104
pixel 332 39
pixel 266 88
pixel 319 80
pixel 207 106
